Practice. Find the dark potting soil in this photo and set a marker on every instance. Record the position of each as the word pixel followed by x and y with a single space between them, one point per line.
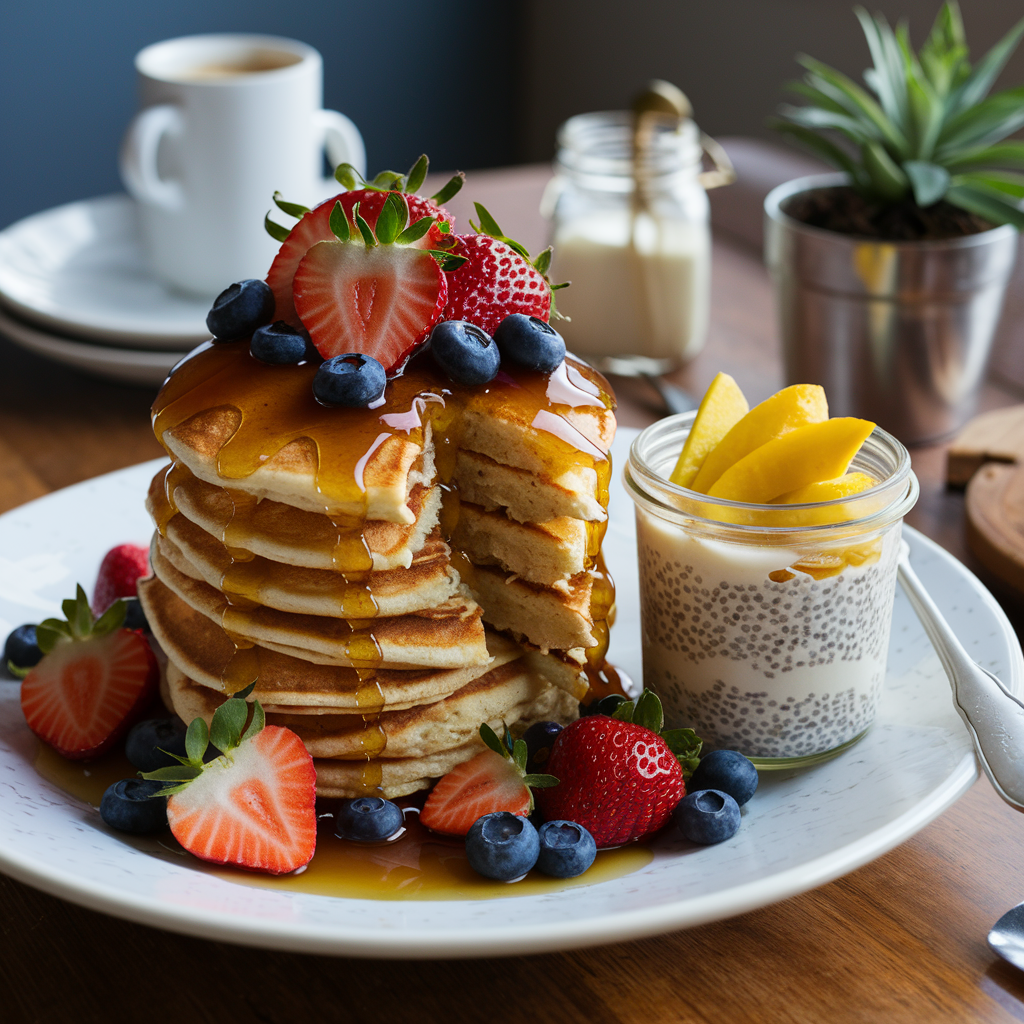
pixel 844 210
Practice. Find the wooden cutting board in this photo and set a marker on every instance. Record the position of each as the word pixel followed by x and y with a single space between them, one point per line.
pixel 988 456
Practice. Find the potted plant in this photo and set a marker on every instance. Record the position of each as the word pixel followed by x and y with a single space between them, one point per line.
pixel 890 275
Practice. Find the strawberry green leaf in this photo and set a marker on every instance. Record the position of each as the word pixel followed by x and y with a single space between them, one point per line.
pixel 347 175
pixel 447 261
pixel 686 746
pixel 540 781
pixel 417 173
pixel 555 287
pixel 111 620
pixel 414 232
pixel 258 722
pixel 51 632
pixel 392 219
pixel 647 712
pixel 488 225
pixel 18 673
pixel 276 231
pixel 543 260
pixel 520 754
pixel 197 739
pixel 339 223
pixel 488 735
pixel 174 773
pixel 451 188
pixel 364 228
pixel 295 210
pixel 228 723
pixel 386 181
pixel 624 712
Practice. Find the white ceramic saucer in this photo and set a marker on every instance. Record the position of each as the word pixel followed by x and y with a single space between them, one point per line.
pixel 78 270
pixel 801 829
pixel 146 367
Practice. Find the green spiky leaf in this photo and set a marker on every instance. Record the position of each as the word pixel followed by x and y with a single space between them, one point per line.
pixel 447 261
pixel 339 222
pixel 197 739
pixel 111 620
pixel 490 737
pixel 542 261
pixel 929 181
pixel 227 725
pixel 258 722
pixel 51 632
pixel 540 781
pixel 686 745
pixel 348 177
pixel 295 210
pixel 415 231
pixel 417 173
pixel 392 219
pixel 364 229
pixel 451 188
pixel 385 181
pixel 276 231
pixel 174 773
pixel 624 712
pixel 888 179
pixel 647 712
pixel 520 754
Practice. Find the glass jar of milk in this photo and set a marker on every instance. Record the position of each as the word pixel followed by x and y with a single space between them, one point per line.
pixel 766 627
pixel 630 231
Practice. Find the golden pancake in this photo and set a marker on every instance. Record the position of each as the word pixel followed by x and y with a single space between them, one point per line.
pixel 287 534
pixel 202 649
pixel 427 583
pixel 450 635
pixel 505 694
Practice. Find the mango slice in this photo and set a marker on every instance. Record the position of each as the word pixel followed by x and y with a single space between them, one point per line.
pixel 807 455
pixel 827 490
pixel 792 407
pixel 722 406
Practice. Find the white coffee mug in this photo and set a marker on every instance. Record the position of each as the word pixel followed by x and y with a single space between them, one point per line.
pixel 226 121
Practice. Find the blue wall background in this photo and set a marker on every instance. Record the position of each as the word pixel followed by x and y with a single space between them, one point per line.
pixel 425 77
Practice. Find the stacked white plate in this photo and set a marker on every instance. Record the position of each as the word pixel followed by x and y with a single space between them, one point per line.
pixel 74 287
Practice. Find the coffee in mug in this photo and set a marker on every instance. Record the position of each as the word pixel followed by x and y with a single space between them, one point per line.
pixel 226 121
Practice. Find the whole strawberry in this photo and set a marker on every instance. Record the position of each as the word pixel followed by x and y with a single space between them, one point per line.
pixel 621 777
pixel 497 279
pixel 119 575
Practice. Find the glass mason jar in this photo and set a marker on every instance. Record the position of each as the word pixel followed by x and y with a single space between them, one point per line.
pixel 632 236
pixel 766 627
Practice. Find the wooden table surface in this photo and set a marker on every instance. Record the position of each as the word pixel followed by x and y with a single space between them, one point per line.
pixel 902 939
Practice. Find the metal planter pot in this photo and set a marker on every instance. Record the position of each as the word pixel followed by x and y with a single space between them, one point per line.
pixel 896 332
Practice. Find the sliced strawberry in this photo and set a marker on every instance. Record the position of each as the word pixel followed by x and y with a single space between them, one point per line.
pixel 485 783
pixel 315 227
pixel 380 300
pixel 119 575
pixel 93 682
pixel 254 807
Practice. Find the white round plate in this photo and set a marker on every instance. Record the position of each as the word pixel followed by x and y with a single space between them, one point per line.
pixel 130 366
pixel 78 269
pixel 801 829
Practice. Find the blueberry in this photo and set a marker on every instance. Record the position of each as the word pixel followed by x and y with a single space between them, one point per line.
pixel 240 309
pixel 530 342
pixel 129 806
pixel 707 816
pixel 21 649
pixel 279 343
pixel 502 846
pixel 353 380
pixel 728 771
pixel 368 819
pixel 465 352
pixel 539 738
pixel 147 739
pixel 604 706
pixel 134 617
pixel 566 849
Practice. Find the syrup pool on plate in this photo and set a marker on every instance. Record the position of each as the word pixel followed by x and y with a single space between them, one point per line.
pixel 418 866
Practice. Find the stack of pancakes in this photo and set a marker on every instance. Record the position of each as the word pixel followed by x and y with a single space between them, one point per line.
pixel 384 614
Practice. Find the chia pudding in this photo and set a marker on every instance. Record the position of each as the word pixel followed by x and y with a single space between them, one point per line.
pixel 767 639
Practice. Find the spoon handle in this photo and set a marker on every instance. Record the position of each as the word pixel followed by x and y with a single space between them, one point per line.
pixel 993 716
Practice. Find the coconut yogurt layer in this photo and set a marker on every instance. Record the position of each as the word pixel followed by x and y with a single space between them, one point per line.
pixel 747 647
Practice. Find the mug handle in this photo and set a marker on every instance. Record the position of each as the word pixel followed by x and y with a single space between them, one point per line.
pixel 138 159
pixel 341 139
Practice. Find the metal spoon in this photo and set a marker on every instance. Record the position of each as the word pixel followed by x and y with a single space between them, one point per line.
pixel 993 716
